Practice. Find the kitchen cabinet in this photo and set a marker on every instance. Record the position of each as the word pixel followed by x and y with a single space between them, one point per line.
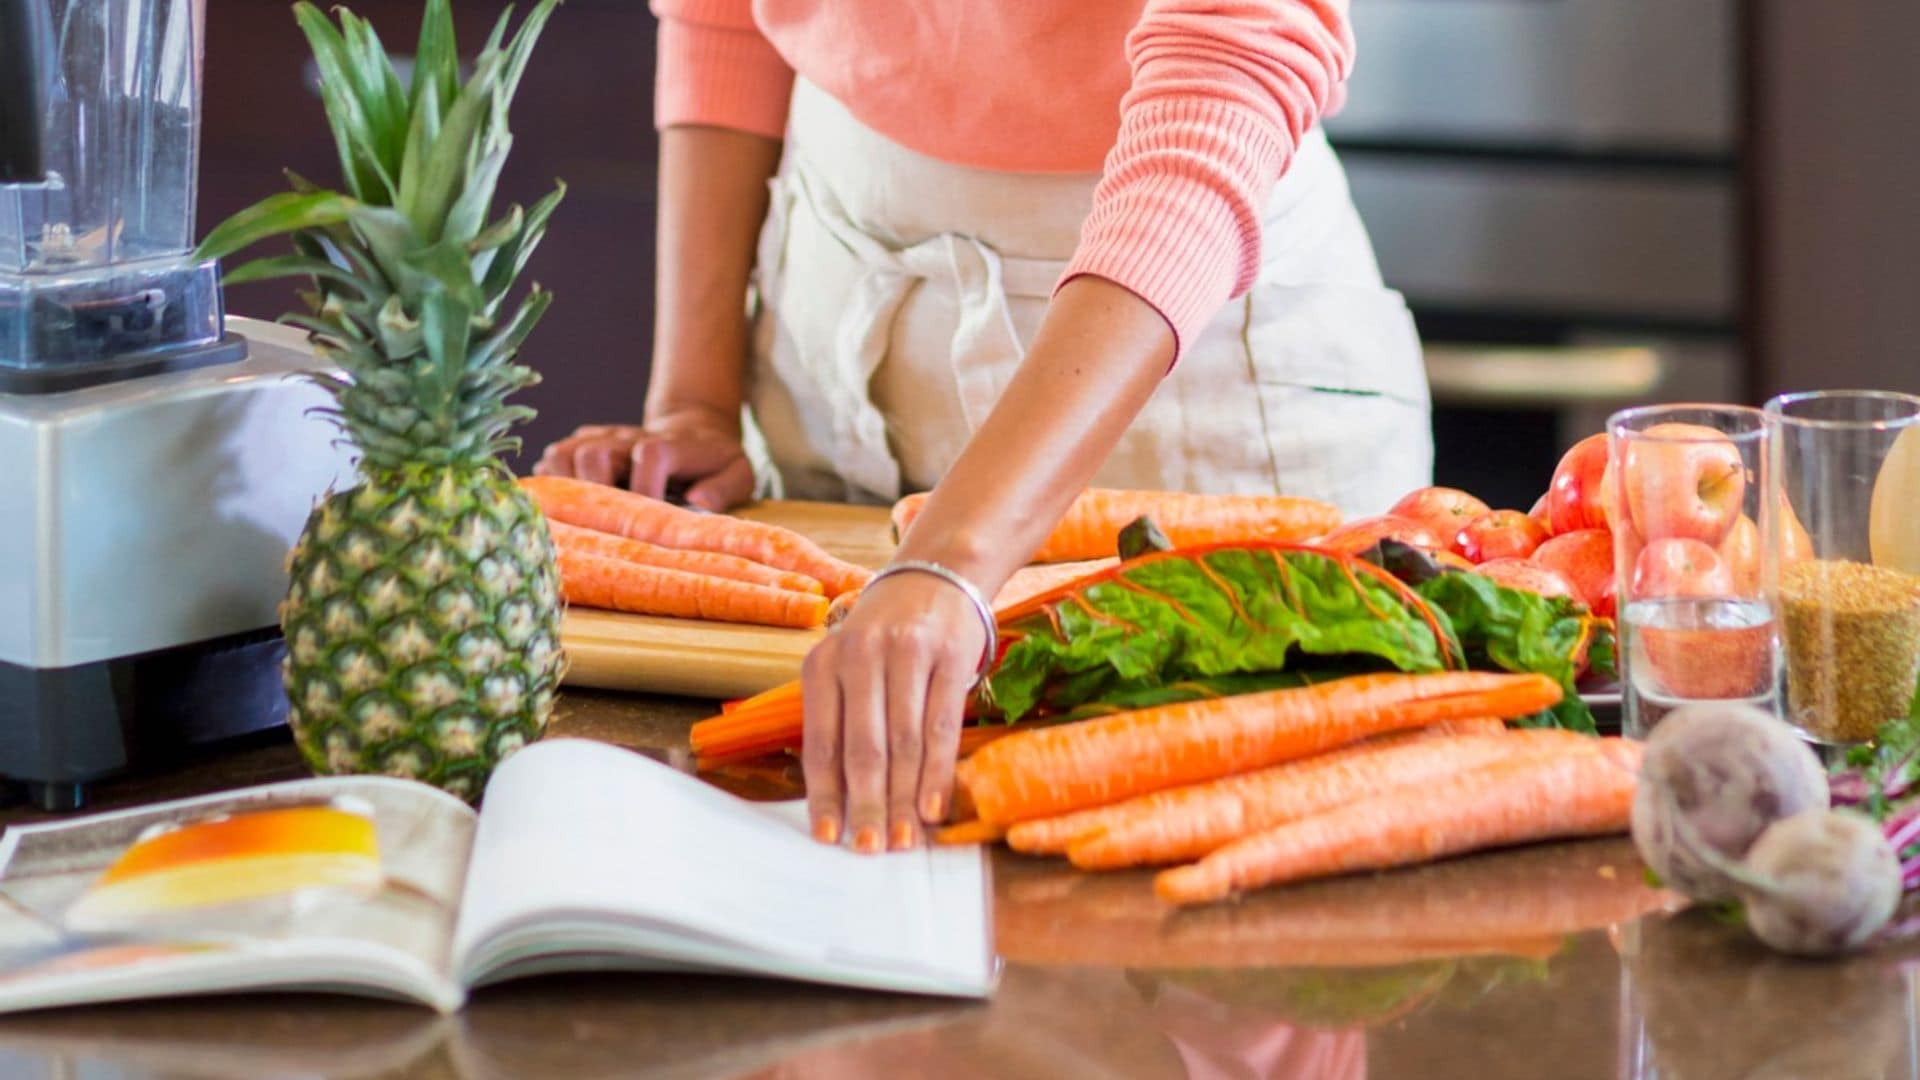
pixel 1553 186
pixel 584 114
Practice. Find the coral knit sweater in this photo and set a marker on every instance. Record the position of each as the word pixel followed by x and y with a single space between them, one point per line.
pixel 1190 109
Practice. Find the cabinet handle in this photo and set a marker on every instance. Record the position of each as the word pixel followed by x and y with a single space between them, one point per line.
pixel 1543 375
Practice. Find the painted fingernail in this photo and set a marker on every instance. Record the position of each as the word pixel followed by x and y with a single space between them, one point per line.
pixel 902 837
pixel 827 830
pixel 867 840
pixel 934 807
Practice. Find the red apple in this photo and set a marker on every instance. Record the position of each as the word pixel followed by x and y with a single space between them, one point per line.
pixel 1741 552
pixel 1585 556
pixel 1441 509
pixel 1362 533
pixel 1613 514
pixel 1499 534
pixel 1539 515
pixel 1528 576
pixel 1683 481
pixel 1672 567
pixel 1573 498
pixel 1626 544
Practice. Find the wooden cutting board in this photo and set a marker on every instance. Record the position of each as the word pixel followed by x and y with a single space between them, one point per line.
pixel 609 650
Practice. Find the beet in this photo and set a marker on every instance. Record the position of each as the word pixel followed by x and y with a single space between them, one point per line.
pixel 1715 775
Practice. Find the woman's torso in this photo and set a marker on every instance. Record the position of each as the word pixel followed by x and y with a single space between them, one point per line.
pixel 1023 86
pixel 901 290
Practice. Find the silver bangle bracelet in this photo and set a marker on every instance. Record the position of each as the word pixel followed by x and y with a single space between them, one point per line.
pixel 980 606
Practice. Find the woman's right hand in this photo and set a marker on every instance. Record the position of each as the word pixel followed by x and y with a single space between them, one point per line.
pixel 692 447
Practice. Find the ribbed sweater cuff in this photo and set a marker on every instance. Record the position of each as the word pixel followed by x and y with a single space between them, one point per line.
pixel 721 77
pixel 1176 217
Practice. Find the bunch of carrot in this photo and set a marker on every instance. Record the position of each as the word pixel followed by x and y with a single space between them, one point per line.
pixel 1091 526
pixel 626 552
pixel 1361 773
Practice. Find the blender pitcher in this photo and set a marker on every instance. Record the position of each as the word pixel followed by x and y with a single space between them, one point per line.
pixel 96 277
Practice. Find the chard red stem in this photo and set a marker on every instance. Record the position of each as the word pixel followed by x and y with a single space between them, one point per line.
pixel 1848 789
pixel 1903 828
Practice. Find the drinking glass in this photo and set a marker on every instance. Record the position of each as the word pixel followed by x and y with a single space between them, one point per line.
pixel 1684 499
pixel 1845 480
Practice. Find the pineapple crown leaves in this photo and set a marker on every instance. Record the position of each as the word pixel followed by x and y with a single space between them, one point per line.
pixel 410 272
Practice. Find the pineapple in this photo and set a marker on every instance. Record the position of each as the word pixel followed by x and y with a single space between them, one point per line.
pixel 422 614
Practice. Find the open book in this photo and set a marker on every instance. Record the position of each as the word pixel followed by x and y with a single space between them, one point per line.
pixel 587 857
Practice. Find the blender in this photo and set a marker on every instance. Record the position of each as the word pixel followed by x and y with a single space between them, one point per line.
pixel 157 459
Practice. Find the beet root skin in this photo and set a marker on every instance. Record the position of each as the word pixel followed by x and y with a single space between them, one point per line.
pixel 1820 883
pixel 1716 775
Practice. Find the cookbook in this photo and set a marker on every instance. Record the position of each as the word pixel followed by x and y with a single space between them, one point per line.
pixel 586 857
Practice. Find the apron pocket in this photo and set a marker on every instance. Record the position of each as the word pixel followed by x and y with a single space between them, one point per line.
pixel 1342 390
pixel 1337 339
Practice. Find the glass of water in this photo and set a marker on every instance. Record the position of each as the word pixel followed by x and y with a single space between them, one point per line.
pixel 1686 498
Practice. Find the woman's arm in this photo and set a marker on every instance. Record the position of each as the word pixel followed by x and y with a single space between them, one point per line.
pixel 1098 356
pixel 721 103
pixel 884 694
pixel 713 196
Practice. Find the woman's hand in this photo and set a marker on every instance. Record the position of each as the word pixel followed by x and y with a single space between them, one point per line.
pixel 693 448
pixel 885 693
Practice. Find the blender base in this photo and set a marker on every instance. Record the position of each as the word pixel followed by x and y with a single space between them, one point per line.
pixel 63 729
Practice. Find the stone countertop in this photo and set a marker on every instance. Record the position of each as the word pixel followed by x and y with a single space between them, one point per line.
pixel 1547 961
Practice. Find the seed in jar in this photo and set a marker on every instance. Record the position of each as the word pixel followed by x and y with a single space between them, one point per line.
pixel 1853 645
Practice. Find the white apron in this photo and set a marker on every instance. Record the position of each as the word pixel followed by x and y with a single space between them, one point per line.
pixel 895 295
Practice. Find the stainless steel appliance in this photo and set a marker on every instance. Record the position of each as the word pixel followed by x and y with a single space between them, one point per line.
pixel 1557 187
pixel 156 460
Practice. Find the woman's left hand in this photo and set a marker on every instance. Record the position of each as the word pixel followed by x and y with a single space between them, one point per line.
pixel 885 695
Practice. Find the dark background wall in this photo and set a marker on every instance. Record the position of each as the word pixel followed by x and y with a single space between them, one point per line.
pixel 1838 199
pixel 584 114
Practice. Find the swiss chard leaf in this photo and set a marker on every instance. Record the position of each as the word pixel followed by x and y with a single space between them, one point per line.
pixel 1176 617
pixel 1514 630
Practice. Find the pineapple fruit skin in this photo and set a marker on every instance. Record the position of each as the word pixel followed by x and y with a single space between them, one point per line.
pixel 422 623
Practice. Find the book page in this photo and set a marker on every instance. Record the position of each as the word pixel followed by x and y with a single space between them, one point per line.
pixel 587 848
pixel 325 883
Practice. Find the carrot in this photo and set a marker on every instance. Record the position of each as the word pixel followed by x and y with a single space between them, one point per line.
pixel 1091 527
pixel 975 736
pixel 624 513
pixel 1072 766
pixel 599 581
pixel 968 832
pixel 712 564
pixel 1053 835
pixel 1183 824
pixel 1507 802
